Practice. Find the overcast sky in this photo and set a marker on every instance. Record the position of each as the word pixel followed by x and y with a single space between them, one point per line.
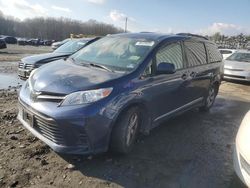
pixel 169 16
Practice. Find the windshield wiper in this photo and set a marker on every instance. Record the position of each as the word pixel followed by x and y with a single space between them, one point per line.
pixel 69 58
pixel 101 66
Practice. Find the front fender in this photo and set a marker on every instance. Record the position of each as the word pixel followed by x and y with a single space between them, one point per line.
pixel 126 100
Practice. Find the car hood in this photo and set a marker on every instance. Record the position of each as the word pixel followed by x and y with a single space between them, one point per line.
pixel 64 77
pixel 236 65
pixel 43 58
pixel 58 43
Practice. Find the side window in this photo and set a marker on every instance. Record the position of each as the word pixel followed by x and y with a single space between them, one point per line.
pixel 196 53
pixel 171 53
pixel 213 53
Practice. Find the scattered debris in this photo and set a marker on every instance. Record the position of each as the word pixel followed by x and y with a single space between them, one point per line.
pixel 70 166
pixel 13 137
pixel 14 184
pixel 22 146
pixel 44 162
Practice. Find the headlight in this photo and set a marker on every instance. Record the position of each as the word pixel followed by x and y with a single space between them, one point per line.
pixel 85 97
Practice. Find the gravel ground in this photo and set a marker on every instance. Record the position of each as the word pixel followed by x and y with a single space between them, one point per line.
pixel 191 150
pixel 16 52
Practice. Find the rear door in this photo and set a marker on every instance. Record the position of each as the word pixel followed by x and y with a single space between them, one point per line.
pixel 199 70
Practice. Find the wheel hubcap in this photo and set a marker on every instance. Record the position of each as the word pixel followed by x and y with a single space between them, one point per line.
pixel 211 96
pixel 132 126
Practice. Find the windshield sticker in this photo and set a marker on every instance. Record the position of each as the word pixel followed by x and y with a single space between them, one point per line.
pixel 131 66
pixel 134 58
pixel 80 43
pixel 145 43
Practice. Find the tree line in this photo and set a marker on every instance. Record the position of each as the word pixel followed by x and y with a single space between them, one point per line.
pixel 237 41
pixel 53 28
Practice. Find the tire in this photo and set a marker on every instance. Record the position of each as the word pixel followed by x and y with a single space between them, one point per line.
pixel 125 131
pixel 210 98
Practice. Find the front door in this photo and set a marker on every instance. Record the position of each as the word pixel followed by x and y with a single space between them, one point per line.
pixel 166 93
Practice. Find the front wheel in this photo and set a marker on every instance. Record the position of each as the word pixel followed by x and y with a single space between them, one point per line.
pixel 125 131
pixel 210 98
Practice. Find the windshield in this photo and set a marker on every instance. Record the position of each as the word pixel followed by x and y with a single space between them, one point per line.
pixel 239 56
pixel 71 46
pixel 115 52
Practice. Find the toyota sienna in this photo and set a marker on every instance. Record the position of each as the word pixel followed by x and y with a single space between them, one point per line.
pixel 105 94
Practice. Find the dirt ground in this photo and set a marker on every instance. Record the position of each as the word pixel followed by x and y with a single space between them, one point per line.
pixel 16 52
pixel 189 151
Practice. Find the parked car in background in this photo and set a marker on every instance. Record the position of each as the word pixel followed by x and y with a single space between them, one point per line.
pixel 47 42
pixel 28 64
pixel 2 44
pixel 248 46
pixel 22 41
pixel 242 151
pixel 55 45
pixel 109 91
pixel 226 52
pixel 10 40
pixel 34 42
pixel 237 66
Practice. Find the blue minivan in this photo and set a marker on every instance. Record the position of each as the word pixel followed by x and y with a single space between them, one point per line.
pixel 105 94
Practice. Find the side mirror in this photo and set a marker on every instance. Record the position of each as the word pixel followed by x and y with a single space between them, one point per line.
pixel 165 68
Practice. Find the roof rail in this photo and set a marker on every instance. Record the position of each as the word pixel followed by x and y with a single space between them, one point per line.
pixel 192 35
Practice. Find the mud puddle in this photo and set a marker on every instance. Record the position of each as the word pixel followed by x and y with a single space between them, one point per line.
pixel 9 81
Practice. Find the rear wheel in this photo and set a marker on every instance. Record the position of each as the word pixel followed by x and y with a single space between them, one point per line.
pixel 125 131
pixel 210 98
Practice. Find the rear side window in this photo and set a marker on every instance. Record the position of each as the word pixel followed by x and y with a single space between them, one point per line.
pixel 196 53
pixel 171 53
pixel 213 53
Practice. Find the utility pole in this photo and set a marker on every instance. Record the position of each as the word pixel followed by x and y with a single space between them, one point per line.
pixel 126 24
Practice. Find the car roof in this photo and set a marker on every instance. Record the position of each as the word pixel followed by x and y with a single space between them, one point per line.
pixel 81 39
pixel 233 50
pixel 159 36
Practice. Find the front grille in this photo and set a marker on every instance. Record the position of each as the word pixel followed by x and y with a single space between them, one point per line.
pixel 83 138
pixel 49 130
pixel 244 164
pixel 51 98
pixel 20 65
pixel 28 66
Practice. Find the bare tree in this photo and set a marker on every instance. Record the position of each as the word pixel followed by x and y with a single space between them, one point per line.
pixel 53 28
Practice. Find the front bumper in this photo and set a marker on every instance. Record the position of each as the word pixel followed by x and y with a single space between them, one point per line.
pixel 241 167
pixel 68 133
pixel 240 75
